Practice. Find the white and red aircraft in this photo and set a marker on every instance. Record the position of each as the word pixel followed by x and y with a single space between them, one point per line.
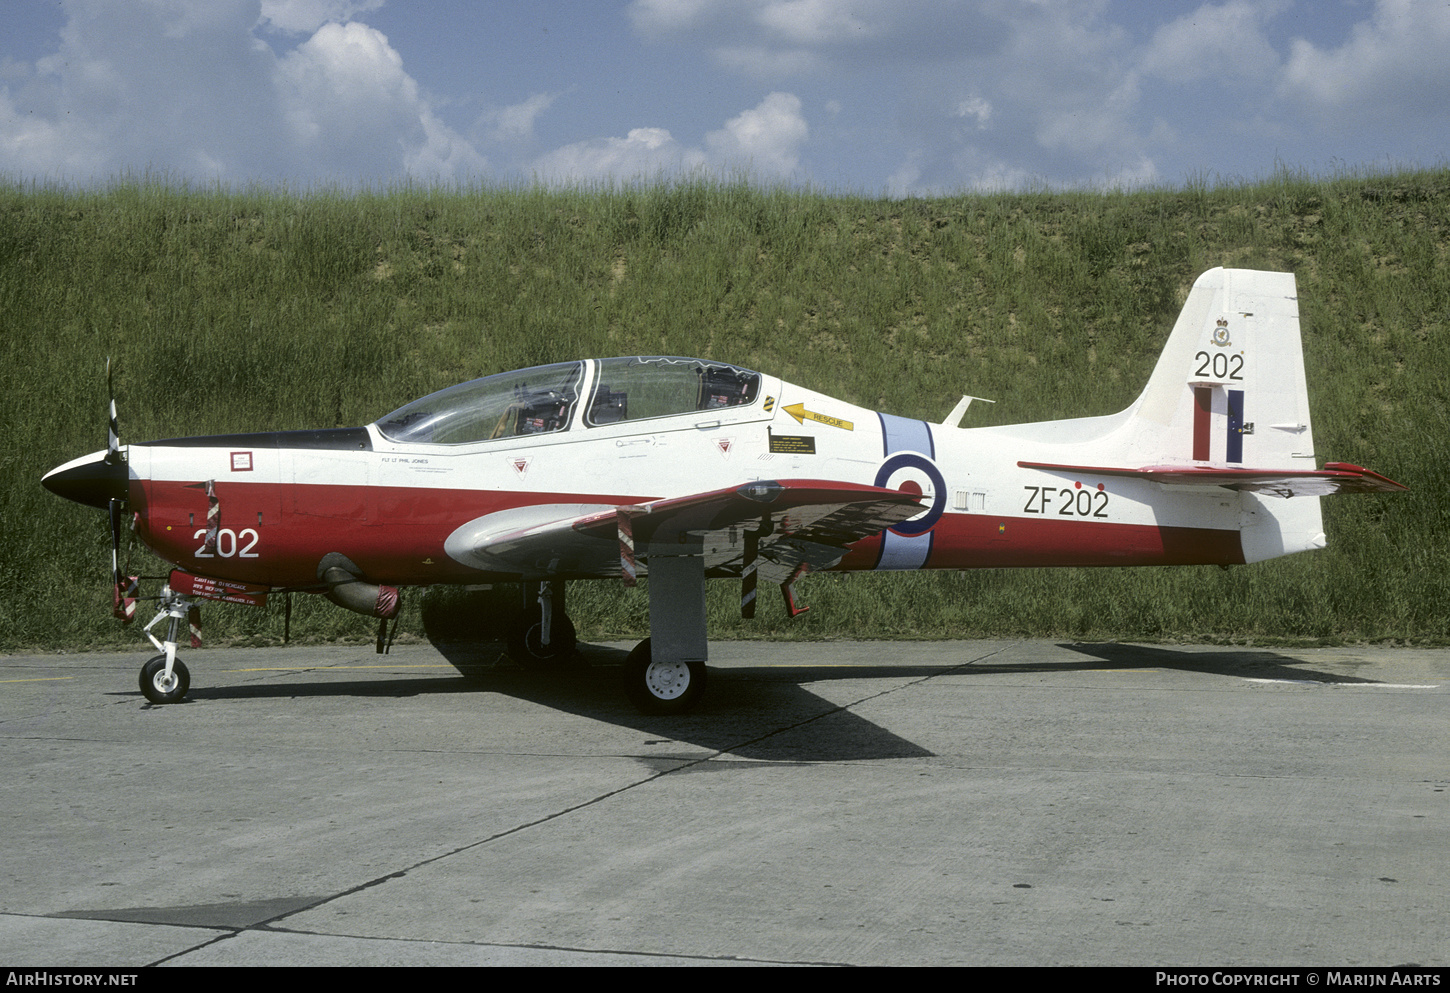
pixel 684 469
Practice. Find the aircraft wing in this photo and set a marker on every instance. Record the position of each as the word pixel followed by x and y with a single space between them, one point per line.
pixel 1335 477
pixel 794 521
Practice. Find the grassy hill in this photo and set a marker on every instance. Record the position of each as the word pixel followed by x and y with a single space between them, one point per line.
pixel 238 310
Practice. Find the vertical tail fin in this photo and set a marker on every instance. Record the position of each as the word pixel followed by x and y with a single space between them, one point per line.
pixel 1227 407
pixel 1229 392
pixel 1229 388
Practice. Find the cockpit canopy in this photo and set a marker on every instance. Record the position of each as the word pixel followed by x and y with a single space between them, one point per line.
pixel 542 399
pixel 632 389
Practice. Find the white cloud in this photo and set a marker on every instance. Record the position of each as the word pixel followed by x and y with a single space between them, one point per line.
pixel 976 109
pixel 1226 43
pixel 643 155
pixel 185 87
pixel 905 178
pixel 815 22
pixel 167 86
pixel 514 124
pixel 983 89
pixel 1087 126
pixel 773 39
pixel 306 16
pixel 1059 101
pixel 933 95
pixel 1391 66
pixel 355 112
pixel 995 177
pixel 764 142
pixel 654 18
pixel 766 62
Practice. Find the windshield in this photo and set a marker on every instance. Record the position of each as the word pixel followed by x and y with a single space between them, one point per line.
pixel 529 401
pixel 631 389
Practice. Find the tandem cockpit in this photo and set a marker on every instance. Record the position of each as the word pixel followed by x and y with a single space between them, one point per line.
pixel 547 399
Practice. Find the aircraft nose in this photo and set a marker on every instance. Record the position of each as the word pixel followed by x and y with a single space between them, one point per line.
pixel 90 480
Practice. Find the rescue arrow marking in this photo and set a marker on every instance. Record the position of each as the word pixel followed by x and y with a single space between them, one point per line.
pixel 799 412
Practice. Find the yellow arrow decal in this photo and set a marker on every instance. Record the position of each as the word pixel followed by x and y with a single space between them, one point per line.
pixel 799 412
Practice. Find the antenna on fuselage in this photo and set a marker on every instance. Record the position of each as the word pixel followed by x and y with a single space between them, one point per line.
pixel 954 419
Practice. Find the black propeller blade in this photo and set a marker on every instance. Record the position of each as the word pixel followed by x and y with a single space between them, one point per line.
pixel 123 597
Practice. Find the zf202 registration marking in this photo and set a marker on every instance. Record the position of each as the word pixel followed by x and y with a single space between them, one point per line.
pixel 1066 502
pixel 229 543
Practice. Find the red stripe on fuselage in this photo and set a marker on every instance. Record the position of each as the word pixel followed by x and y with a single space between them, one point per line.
pixel 278 532
pixel 976 541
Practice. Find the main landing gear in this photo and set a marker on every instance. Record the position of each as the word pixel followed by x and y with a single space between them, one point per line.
pixel 164 678
pixel 662 687
pixel 665 674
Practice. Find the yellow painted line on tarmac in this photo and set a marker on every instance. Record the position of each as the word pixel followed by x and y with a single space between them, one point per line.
pixel 37 679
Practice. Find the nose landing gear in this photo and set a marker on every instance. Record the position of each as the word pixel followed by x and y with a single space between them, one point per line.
pixel 164 678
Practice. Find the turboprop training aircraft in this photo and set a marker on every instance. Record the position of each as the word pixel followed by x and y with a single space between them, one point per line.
pixel 682 470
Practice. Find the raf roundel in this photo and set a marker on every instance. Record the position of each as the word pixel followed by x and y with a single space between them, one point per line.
pixel 915 473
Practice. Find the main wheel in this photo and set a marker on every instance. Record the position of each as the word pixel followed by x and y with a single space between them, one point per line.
pixel 662 687
pixel 526 642
pixel 157 687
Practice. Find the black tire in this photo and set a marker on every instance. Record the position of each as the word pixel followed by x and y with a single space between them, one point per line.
pixel 158 690
pixel 526 646
pixel 666 688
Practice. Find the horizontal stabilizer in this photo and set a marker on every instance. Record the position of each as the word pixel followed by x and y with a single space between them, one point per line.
pixel 1335 477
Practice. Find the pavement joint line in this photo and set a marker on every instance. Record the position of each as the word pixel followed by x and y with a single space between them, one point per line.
pixel 843 707
pixel 378 881
pixel 268 925
pixel 555 948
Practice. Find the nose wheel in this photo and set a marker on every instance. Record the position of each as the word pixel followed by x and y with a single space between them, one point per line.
pixel 164 678
pixel 160 686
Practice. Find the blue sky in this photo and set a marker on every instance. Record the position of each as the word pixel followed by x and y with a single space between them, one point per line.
pixel 904 97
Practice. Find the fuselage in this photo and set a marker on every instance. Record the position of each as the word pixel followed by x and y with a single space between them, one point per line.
pixel 265 508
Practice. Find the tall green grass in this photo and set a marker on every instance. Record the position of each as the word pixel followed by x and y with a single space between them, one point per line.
pixel 258 309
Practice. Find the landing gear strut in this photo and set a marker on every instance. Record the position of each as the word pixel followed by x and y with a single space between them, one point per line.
pixel 544 635
pixel 665 674
pixel 164 678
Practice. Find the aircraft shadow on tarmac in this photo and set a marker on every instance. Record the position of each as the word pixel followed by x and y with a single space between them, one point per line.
pixel 1252 663
pixel 764 712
